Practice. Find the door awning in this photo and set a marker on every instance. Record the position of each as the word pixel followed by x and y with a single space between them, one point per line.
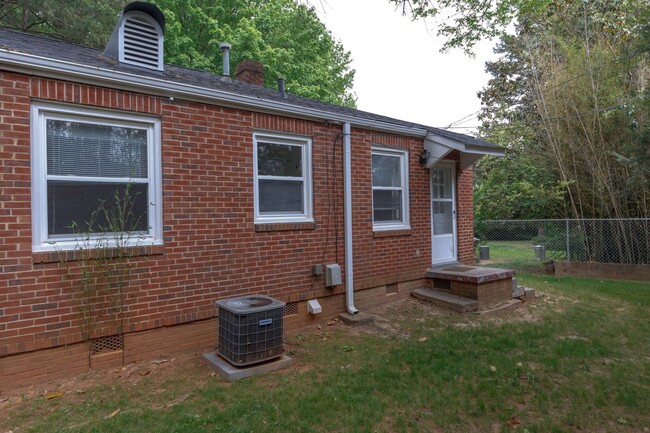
pixel 471 150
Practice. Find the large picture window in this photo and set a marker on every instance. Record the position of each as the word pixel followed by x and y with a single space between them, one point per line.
pixel 94 173
pixel 389 189
pixel 282 178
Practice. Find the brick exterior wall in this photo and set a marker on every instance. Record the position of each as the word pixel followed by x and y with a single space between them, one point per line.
pixel 212 248
pixel 465 215
pixel 487 294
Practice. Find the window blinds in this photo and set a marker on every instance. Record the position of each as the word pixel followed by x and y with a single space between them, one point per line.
pixel 91 150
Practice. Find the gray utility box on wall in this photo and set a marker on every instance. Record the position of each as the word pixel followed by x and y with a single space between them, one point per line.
pixel 332 275
pixel 250 329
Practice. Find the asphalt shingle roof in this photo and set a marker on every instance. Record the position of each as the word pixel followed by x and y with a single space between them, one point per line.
pixel 44 47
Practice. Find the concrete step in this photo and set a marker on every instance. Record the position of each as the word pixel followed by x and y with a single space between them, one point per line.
pixel 446 300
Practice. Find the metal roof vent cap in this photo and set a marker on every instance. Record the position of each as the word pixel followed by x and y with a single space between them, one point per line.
pixel 138 37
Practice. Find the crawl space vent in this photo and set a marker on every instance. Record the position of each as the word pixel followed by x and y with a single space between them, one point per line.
pixel 391 289
pixel 291 309
pixel 111 343
pixel 250 329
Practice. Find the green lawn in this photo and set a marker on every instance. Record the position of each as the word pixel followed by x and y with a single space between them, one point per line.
pixel 518 255
pixel 577 359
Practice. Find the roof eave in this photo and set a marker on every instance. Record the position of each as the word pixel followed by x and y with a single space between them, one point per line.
pixel 438 147
pixel 53 68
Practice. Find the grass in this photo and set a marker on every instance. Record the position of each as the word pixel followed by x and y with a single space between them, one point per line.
pixel 518 255
pixel 576 360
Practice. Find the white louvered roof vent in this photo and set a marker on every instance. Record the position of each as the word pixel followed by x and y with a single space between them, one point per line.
pixel 138 37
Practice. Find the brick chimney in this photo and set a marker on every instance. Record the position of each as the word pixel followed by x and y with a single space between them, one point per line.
pixel 251 72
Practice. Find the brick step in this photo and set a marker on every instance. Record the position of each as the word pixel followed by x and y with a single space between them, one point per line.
pixel 446 299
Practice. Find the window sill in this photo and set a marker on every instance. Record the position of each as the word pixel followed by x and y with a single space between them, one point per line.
pixel 101 253
pixel 391 233
pixel 283 227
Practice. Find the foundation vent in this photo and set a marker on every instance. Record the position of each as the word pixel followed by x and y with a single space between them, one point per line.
pixel 291 309
pixel 111 343
pixel 391 289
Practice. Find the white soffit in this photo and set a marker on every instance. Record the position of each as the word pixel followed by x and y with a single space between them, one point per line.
pixel 439 147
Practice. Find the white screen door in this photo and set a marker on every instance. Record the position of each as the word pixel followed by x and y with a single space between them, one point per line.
pixel 443 214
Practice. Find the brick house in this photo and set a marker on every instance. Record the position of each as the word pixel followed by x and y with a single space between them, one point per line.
pixel 239 189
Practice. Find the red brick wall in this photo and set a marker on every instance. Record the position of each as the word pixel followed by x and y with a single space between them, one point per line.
pixel 465 215
pixel 212 248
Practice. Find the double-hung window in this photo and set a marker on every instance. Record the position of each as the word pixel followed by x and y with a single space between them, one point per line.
pixel 390 189
pixel 95 174
pixel 282 171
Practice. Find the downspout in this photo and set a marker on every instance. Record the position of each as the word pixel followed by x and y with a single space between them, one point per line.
pixel 347 201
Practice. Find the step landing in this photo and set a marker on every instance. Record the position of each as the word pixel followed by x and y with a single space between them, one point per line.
pixel 487 286
pixel 470 274
pixel 446 300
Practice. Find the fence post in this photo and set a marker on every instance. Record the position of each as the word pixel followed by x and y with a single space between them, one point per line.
pixel 568 242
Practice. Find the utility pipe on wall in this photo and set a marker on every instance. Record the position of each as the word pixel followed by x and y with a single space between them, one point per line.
pixel 347 200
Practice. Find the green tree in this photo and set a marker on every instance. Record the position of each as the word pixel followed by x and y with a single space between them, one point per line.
pixel 568 98
pixel 88 22
pixel 466 22
pixel 288 38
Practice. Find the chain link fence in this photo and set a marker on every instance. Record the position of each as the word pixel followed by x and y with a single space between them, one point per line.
pixel 535 245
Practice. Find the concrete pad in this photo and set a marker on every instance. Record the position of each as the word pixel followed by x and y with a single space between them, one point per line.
pixel 356 319
pixel 447 300
pixel 530 293
pixel 232 373
pixel 505 306
pixel 518 292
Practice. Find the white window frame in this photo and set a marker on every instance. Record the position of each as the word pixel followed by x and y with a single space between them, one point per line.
pixel 40 113
pixel 287 140
pixel 403 156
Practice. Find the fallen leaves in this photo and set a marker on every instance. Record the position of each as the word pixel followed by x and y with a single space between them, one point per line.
pixel 514 421
pixel 112 414
pixel 55 395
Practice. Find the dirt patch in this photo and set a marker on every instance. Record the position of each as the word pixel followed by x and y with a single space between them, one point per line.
pixel 394 320
pixel 74 389
pixel 397 320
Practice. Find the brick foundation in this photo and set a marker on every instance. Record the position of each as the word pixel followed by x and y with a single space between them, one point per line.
pixel 487 294
pixel 603 270
pixel 48 364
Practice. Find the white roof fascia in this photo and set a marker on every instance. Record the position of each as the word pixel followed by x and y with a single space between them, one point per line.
pixel 439 147
pixel 468 159
pixel 436 151
pixel 52 68
pixel 447 142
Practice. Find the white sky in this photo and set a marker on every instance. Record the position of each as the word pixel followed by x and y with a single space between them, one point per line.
pixel 399 70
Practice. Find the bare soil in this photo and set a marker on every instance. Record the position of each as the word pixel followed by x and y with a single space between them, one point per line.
pixel 392 320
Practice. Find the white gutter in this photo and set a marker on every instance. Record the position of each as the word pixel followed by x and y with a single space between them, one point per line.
pixel 347 203
pixel 52 68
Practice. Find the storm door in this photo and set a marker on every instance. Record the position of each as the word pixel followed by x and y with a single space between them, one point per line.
pixel 443 214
